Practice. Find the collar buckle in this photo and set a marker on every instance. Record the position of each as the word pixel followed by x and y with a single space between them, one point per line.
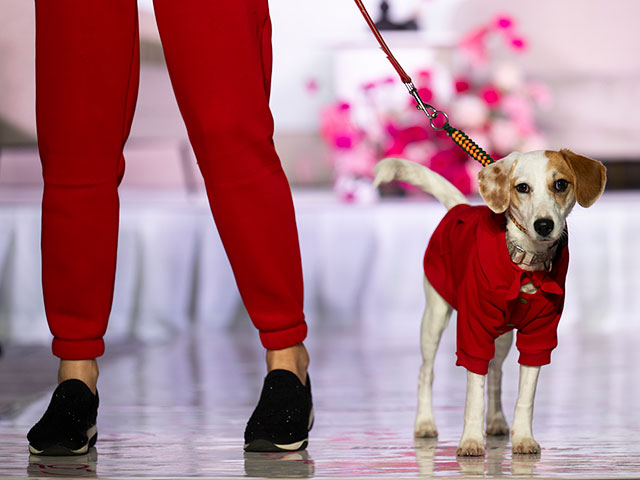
pixel 520 256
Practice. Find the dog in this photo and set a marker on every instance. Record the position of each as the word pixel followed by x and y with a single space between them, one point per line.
pixel 502 267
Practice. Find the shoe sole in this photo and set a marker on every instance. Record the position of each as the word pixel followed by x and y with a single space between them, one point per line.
pixel 60 451
pixel 261 445
pixel 268 446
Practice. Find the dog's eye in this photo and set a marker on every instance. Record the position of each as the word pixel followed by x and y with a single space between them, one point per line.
pixel 522 188
pixel 561 185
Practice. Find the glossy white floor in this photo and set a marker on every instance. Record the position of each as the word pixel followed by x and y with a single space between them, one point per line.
pixel 179 409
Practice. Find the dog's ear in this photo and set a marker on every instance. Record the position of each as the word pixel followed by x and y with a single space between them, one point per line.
pixel 591 177
pixel 494 183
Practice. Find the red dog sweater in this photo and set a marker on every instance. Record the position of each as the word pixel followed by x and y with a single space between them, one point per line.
pixel 468 264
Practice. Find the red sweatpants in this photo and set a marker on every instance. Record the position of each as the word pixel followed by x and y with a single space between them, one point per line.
pixel 219 60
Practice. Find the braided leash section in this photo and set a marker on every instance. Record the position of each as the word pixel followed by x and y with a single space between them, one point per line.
pixel 463 141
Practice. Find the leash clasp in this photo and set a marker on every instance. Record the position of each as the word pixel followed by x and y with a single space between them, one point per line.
pixel 429 110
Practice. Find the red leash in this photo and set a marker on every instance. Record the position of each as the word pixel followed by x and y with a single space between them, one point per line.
pixel 458 136
pixel 376 33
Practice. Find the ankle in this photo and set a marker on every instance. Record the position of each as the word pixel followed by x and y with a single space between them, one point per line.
pixel 294 359
pixel 83 370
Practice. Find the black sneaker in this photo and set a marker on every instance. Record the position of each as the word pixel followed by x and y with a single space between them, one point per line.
pixel 68 427
pixel 283 417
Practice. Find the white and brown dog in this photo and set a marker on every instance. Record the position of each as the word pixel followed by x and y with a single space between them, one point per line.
pixel 503 269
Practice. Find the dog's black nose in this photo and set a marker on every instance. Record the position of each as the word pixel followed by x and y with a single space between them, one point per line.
pixel 543 226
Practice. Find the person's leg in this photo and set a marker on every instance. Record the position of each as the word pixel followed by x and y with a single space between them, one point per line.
pixel 219 60
pixel 294 359
pixel 87 64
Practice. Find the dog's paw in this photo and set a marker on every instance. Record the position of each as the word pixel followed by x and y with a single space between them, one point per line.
pixel 470 447
pixel 425 429
pixel 497 425
pixel 525 446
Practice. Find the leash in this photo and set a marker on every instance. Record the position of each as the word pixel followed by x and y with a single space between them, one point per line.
pixel 458 136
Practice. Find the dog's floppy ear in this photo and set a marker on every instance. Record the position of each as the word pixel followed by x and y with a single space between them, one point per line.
pixel 494 183
pixel 591 176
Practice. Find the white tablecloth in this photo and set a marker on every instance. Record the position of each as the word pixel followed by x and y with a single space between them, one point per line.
pixel 362 265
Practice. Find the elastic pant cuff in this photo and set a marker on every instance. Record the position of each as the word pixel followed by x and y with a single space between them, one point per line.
pixel 474 365
pixel 284 338
pixel 536 359
pixel 77 349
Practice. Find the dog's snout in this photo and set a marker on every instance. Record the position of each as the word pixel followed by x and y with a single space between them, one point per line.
pixel 543 226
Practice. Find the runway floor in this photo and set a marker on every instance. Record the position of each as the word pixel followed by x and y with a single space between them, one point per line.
pixel 178 409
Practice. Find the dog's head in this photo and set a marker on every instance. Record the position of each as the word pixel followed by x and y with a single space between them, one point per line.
pixel 540 188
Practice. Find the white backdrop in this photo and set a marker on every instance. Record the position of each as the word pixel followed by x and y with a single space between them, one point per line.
pixel 588 72
pixel 588 59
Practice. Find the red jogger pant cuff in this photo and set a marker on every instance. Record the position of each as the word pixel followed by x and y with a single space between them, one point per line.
pixel 78 349
pixel 279 339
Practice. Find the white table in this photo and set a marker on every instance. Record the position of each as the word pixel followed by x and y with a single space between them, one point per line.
pixel 362 264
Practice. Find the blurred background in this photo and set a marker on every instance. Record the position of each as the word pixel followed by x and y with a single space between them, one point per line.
pixel 514 75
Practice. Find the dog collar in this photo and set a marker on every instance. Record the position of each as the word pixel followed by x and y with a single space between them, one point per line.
pixel 520 256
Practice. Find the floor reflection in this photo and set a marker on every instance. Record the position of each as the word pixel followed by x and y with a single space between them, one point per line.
pixel 80 466
pixel 279 465
pixel 178 410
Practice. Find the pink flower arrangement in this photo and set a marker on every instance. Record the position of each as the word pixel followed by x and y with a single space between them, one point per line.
pixel 491 101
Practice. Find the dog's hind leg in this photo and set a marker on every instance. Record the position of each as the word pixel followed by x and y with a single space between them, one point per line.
pixel 435 319
pixel 496 421
pixel 522 434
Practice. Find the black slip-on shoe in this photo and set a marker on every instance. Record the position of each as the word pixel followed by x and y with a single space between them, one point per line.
pixel 68 427
pixel 283 417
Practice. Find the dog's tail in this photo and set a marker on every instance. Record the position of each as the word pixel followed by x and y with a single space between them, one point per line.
pixel 390 169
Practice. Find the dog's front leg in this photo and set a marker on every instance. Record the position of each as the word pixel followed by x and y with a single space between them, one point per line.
pixel 472 441
pixel 522 433
pixel 496 421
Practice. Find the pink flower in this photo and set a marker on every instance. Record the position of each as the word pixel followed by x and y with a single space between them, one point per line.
pixel 504 136
pixel 490 95
pixel 424 75
pixel 518 43
pixel 426 94
pixel 450 162
pixel 337 127
pixel 468 111
pixel 503 22
pixel 352 189
pixel 401 137
pixel 540 94
pixel 368 86
pixel 507 77
pixel 518 109
pixel 473 45
pixel 355 162
pixel 311 85
pixel 461 85
pixel 343 141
